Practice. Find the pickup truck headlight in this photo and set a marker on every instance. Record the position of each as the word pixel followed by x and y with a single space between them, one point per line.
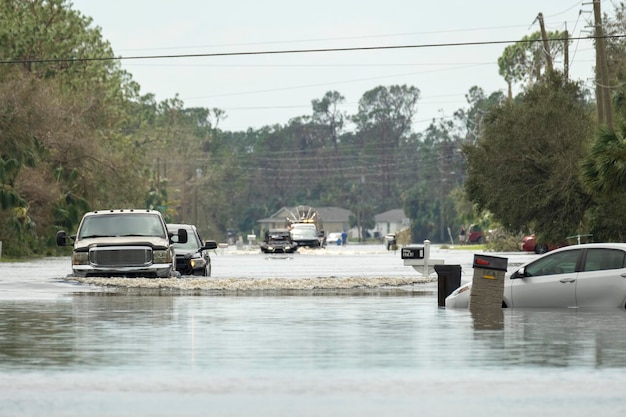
pixel 197 263
pixel 161 257
pixel 80 258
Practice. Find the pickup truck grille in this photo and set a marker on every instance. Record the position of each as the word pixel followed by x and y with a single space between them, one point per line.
pixel 121 256
pixel 183 265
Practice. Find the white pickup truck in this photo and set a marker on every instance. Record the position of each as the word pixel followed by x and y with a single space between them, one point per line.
pixel 123 243
pixel 306 234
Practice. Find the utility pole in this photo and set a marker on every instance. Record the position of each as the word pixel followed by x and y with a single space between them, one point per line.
pixel 566 54
pixel 546 45
pixel 605 110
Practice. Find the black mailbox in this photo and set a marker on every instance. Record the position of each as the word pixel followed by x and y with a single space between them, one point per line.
pixel 490 262
pixel 412 252
pixel 448 280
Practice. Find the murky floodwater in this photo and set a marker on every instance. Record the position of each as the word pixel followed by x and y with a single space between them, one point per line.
pixel 337 332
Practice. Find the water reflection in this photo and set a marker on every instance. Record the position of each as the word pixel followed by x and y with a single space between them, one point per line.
pixel 566 337
pixel 36 333
pixel 368 331
pixel 487 318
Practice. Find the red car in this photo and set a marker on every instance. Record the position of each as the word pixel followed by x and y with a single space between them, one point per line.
pixel 475 234
pixel 529 244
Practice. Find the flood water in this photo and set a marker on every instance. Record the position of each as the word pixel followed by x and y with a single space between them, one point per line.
pixel 343 331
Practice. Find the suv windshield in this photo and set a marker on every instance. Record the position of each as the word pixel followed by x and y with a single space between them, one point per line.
pixel 121 224
pixel 192 242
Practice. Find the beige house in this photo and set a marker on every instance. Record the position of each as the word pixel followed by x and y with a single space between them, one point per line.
pixel 334 219
pixel 337 219
pixel 391 221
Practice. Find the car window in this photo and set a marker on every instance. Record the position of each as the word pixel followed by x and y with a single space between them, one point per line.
pixel 555 263
pixel 193 241
pixel 603 259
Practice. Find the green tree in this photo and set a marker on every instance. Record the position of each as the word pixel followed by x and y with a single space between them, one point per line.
pixel 525 61
pixel 603 174
pixel 326 113
pixel 60 121
pixel 479 104
pixel 614 27
pixel 525 168
pixel 383 121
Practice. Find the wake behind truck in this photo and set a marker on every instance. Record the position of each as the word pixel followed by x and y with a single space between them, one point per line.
pixel 305 227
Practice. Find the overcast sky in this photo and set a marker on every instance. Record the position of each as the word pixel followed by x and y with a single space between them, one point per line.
pixel 259 90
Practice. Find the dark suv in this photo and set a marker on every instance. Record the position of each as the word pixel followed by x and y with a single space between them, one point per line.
pixel 278 241
pixel 192 257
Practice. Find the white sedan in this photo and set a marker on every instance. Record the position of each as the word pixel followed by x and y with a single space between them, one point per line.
pixel 334 238
pixel 586 276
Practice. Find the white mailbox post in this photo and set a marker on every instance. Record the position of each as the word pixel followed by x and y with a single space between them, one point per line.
pixel 418 256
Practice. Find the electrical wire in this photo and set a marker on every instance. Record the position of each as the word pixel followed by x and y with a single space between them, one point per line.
pixel 290 51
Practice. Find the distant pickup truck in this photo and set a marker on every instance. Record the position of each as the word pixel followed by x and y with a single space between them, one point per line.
pixel 306 234
pixel 123 243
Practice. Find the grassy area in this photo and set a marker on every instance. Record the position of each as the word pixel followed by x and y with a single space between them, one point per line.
pixel 478 247
pixel 11 259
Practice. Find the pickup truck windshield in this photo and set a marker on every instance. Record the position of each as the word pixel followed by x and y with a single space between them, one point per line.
pixel 304 232
pixel 122 224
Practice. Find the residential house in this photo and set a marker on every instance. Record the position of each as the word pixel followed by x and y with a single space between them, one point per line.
pixel 391 221
pixel 337 219
pixel 334 219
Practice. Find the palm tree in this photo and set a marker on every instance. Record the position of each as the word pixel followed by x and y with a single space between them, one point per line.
pixel 604 170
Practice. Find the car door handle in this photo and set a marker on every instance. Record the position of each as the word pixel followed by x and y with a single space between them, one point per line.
pixel 567 280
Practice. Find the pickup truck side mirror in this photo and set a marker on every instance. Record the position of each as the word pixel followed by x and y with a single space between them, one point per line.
pixel 61 238
pixel 209 244
pixel 181 236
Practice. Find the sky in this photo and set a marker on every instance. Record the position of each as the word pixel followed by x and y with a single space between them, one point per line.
pixel 457 46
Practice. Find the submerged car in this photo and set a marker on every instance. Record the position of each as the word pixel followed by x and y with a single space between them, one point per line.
pixel 130 243
pixel 192 256
pixel 581 276
pixel 278 241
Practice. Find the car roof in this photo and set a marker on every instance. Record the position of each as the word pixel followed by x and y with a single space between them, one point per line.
pixel 609 245
pixel 613 245
pixel 118 211
pixel 180 226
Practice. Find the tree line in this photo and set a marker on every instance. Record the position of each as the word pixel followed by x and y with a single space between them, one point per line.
pixel 77 134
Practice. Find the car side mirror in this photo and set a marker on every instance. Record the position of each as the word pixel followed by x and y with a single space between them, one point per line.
pixel 210 244
pixel 520 273
pixel 182 236
pixel 61 238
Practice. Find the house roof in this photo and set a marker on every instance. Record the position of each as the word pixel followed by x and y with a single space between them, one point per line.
pixel 391 216
pixel 334 214
pixel 338 215
pixel 326 214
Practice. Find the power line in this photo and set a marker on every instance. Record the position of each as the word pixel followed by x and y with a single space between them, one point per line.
pixel 334 39
pixel 294 51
